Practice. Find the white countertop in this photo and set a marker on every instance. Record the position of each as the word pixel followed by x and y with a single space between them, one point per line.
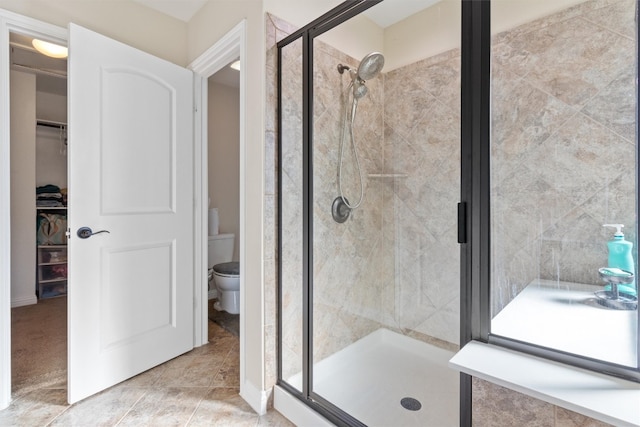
pixel 566 316
pixel 608 399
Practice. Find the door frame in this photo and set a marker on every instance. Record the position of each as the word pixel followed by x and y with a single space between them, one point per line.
pixel 11 22
pixel 231 46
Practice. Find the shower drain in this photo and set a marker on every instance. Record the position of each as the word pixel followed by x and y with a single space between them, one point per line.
pixel 411 404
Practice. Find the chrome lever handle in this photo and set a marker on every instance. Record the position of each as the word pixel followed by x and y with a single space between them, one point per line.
pixel 86 232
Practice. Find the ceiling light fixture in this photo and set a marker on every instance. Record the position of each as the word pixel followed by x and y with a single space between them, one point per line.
pixel 50 49
pixel 235 65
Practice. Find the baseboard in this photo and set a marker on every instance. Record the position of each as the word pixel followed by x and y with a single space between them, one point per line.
pixel 296 411
pixel 19 302
pixel 256 398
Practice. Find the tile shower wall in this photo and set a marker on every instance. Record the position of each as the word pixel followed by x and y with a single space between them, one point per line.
pixel 422 154
pixel 352 263
pixel 563 138
pixel 395 262
pixel 496 406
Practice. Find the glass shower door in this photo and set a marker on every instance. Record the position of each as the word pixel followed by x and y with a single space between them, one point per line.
pixel 563 167
pixel 292 253
pixel 385 269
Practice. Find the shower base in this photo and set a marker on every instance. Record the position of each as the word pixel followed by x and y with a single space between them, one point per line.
pixel 370 378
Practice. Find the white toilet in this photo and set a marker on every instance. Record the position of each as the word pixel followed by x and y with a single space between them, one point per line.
pixel 226 274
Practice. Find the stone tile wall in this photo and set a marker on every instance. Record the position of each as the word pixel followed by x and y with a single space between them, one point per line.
pixel 563 145
pixel 422 143
pixel 395 262
pixel 496 406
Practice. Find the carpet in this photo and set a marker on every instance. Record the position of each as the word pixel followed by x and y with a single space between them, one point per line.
pixel 228 322
pixel 39 345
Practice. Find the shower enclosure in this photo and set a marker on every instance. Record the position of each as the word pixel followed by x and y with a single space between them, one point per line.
pixel 369 174
pixel 369 177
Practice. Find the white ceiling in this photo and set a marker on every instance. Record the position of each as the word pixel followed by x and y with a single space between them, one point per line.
pixel 180 9
pixel 391 11
pixel 384 14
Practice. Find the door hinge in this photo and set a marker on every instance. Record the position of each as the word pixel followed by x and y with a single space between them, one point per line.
pixel 462 222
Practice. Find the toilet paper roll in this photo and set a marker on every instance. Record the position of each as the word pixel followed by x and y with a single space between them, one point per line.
pixel 214 222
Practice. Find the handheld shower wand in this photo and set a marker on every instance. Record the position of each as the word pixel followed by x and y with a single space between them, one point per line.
pixel 369 67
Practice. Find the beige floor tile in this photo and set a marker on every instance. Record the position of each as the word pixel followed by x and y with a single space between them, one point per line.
pixel 229 373
pixel 218 345
pixel 165 407
pixel 191 371
pixel 216 330
pixel 274 418
pixel 223 407
pixel 36 408
pixel 104 409
pixel 177 393
pixel 146 379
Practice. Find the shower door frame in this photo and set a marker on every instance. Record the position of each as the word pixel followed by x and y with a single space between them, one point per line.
pixel 473 26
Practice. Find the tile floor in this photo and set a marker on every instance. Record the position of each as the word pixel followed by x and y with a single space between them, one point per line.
pixel 199 388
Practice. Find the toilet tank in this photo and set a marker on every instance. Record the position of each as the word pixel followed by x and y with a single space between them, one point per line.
pixel 220 248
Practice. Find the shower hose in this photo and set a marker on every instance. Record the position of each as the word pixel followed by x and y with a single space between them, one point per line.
pixel 349 122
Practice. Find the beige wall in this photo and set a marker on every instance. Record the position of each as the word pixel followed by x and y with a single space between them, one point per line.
pixel 124 20
pixel 23 187
pixel 224 157
pixel 52 107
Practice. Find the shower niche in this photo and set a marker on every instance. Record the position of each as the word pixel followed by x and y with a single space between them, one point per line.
pixel 369 180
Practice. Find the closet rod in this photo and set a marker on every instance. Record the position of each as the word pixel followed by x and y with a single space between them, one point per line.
pixel 49 72
pixel 51 124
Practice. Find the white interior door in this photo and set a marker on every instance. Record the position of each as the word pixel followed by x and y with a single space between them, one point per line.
pixel 130 301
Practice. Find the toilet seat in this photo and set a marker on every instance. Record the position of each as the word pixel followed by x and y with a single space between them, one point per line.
pixel 227 269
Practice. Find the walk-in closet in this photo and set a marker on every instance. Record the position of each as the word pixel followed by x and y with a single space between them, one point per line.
pixel 38 94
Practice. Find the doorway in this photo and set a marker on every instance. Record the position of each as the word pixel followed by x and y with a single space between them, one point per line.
pixel 38 84
pixel 223 220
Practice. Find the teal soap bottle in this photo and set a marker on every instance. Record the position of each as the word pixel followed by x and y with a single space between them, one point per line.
pixel 620 257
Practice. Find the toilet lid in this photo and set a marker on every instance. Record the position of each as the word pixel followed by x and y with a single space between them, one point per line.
pixel 230 268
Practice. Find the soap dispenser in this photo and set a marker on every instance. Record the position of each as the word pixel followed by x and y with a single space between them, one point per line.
pixel 620 257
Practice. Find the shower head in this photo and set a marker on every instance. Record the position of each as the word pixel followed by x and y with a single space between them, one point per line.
pixel 370 66
pixel 359 89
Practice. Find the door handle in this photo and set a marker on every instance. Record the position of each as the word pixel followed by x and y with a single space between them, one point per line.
pixel 86 232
